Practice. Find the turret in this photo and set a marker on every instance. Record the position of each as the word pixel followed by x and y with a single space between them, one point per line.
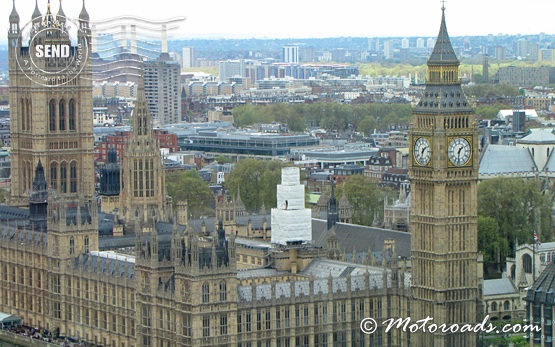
pixel 13 33
pixel 37 16
pixel 333 216
pixel 61 16
pixel 38 200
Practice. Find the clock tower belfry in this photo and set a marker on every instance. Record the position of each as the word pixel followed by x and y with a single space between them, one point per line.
pixel 446 276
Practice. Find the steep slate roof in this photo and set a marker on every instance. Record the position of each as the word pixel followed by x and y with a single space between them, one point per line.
pixel 443 50
pixel 542 290
pixel 550 165
pixel 499 160
pixel 359 237
pixel 541 136
pixel 499 286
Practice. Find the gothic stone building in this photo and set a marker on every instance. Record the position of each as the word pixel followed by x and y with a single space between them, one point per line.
pixel 187 290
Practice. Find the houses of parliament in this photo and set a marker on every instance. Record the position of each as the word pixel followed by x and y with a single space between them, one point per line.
pixel 181 285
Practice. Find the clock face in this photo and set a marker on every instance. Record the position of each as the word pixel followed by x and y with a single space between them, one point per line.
pixel 422 151
pixel 459 151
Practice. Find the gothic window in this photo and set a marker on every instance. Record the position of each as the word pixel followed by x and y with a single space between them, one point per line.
pixel 71 114
pixel 205 293
pixel 223 324
pixel 52 115
pixel 135 179
pixel 23 114
pixel 527 263
pixel 62 115
pixel 206 326
pixel 72 246
pixel 141 181
pixel 493 306
pixel 73 177
pixel 53 175
pixel 147 178
pixel 223 291
pixel 86 244
pixel 29 113
pixel 63 177
pixel 146 316
pixel 139 127
pixel 506 305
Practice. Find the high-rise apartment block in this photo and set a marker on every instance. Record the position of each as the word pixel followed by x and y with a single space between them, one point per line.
pixel 188 57
pixel 291 54
pixel 163 92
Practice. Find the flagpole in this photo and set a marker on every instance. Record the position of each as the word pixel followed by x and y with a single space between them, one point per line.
pixel 534 262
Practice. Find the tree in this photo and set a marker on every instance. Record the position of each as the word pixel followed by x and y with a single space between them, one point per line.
pixel 490 242
pixel 519 207
pixel 367 125
pixel 222 159
pixel 189 186
pixel 257 181
pixel 365 198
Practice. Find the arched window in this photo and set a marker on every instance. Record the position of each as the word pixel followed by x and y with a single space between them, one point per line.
pixel 71 109
pixel 73 177
pixel 62 115
pixel 29 114
pixel 506 305
pixel 205 293
pixel 52 115
pixel 63 177
pixel 23 114
pixel 513 272
pixel 527 263
pixel 494 306
pixel 54 175
pixel 223 291
pixel 24 174
pixel 87 244
pixel 72 246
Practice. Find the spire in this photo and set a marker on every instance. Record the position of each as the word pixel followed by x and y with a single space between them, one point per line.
pixel 39 183
pixel 36 14
pixel 333 216
pixel 84 15
pixel 14 16
pixel 443 52
pixel 141 114
pixel 48 17
pixel 112 155
pixel 61 16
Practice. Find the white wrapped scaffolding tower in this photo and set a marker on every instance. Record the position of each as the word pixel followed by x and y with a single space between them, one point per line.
pixel 291 221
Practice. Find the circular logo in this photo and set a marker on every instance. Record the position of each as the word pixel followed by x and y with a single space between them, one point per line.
pixel 368 326
pixel 57 51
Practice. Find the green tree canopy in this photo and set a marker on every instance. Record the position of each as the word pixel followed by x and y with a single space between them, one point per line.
pixel 257 182
pixel 189 186
pixel 328 115
pixel 365 198
pixel 519 207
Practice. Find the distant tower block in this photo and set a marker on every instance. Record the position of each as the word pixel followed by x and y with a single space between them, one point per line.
pixel 133 48
pixel 291 221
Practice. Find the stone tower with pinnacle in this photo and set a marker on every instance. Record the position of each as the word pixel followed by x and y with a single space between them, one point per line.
pixel 446 276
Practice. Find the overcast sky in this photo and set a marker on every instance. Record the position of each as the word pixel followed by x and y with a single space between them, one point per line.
pixel 309 18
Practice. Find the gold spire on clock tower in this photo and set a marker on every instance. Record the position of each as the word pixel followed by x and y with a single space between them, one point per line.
pixel 446 276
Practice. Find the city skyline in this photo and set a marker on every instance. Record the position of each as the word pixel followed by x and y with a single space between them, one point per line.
pixel 241 19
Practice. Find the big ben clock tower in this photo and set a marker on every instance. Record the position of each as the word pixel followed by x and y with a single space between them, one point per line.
pixel 444 176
